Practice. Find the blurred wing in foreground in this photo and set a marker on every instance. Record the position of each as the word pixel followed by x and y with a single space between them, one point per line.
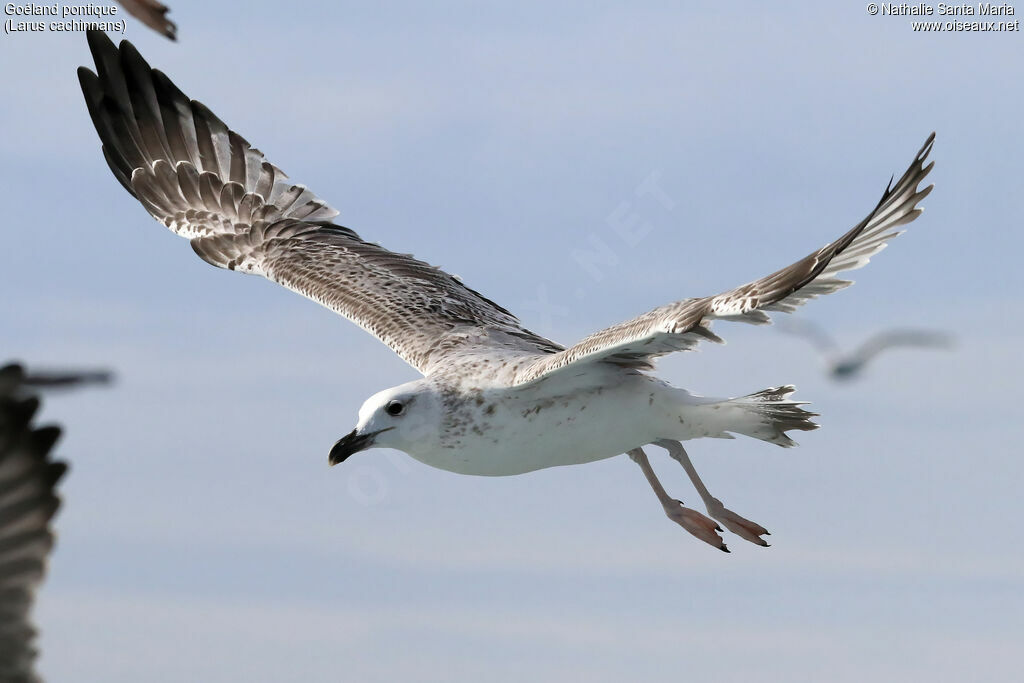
pixel 28 502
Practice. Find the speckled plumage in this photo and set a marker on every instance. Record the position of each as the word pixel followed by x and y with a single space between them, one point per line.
pixel 496 398
pixel 206 183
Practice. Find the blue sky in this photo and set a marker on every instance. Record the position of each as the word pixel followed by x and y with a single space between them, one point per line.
pixel 203 536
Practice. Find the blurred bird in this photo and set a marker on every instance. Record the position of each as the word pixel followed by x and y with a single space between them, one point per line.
pixel 846 366
pixel 152 14
pixel 67 379
pixel 28 502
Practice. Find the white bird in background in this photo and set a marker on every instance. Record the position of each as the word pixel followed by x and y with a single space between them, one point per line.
pixel 849 365
pixel 28 502
pixel 496 399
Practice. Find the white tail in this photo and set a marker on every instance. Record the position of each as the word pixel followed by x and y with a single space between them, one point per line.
pixel 766 415
pixel 770 415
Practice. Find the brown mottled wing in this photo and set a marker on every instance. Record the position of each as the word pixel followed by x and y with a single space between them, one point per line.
pixel 408 304
pixel 205 183
pixel 177 158
pixel 28 477
pixel 680 326
pixel 153 14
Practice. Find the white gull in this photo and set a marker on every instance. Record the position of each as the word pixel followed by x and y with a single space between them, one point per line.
pixel 495 399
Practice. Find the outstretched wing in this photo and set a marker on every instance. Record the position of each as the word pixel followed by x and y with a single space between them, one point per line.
pixel 28 476
pixel 680 326
pixel 153 14
pixel 812 332
pixel 901 338
pixel 206 183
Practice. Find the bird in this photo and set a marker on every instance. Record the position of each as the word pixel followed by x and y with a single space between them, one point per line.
pixel 847 366
pixel 28 502
pixel 153 14
pixel 494 399
pixel 66 379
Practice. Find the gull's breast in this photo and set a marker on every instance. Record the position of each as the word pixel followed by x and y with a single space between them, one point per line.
pixel 506 432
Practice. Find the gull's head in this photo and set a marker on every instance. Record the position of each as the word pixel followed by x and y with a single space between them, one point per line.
pixel 399 418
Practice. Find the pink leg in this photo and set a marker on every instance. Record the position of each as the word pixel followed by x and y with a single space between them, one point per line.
pixel 697 524
pixel 740 526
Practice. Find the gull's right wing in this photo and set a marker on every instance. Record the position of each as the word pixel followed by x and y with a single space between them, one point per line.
pixel 206 183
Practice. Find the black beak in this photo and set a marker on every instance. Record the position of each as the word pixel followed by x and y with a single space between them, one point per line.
pixel 349 444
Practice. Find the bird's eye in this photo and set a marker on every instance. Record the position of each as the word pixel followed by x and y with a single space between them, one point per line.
pixel 394 408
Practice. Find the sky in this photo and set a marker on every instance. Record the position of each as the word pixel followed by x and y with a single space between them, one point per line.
pixel 203 536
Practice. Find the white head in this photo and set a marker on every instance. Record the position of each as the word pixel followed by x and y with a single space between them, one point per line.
pixel 400 417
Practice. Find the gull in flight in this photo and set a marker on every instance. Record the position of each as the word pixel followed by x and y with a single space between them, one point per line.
pixel 846 366
pixel 495 399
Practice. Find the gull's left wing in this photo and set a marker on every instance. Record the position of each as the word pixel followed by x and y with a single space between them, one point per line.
pixel 28 477
pixel 681 325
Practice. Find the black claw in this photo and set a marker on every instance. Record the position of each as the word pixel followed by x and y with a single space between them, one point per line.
pixel 767 545
pixel 718 528
pixel 767 533
pixel 724 549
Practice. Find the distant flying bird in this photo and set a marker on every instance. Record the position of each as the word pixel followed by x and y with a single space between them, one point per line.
pixel 28 502
pixel 846 366
pixel 152 14
pixel 67 379
pixel 496 399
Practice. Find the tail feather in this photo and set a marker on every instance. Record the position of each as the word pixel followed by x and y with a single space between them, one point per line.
pixel 768 415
